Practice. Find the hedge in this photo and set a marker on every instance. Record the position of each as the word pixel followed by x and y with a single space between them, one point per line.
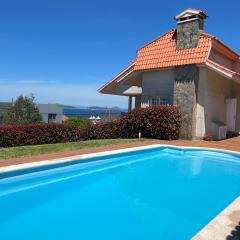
pixel 105 130
pixel 162 122
pixel 19 135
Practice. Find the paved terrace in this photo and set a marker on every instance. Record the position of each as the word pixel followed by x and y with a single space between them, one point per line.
pixel 229 144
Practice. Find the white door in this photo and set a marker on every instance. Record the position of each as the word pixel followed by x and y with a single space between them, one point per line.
pixel 231 113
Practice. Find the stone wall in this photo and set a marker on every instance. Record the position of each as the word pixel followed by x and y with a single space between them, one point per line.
pixel 188 34
pixel 184 96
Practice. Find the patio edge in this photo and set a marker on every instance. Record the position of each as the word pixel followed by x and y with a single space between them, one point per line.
pixel 224 226
pixel 55 161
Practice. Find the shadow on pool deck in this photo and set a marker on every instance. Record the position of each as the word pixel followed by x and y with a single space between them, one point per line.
pixel 235 234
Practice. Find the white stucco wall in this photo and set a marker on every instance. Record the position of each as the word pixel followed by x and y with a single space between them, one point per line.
pixel 200 112
pixel 221 59
pixel 236 94
pixel 213 90
pixel 44 117
pixel 157 83
pixel 217 90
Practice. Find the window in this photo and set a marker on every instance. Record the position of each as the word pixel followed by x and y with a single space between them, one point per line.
pixel 154 101
pixel 158 100
pixel 52 117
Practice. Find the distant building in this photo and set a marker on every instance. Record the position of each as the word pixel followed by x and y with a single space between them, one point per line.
pixel 51 113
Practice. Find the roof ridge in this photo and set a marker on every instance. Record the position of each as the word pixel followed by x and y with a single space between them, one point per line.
pixel 171 30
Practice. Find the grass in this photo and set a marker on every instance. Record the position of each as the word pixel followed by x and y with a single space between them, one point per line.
pixel 24 151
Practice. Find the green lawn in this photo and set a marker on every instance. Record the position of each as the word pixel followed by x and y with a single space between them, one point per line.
pixel 24 151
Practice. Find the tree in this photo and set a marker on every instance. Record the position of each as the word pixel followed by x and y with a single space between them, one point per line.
pixel 23 111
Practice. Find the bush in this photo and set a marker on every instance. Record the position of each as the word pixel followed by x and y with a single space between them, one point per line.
pixel 162 122
pixel 105 130
pixel 19 135
pixel 77 121
pixel 232 134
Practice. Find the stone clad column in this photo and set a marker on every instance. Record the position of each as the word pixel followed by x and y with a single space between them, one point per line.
pixel 188 34
pixel 138 101
pixel 129 103
pixel 184 96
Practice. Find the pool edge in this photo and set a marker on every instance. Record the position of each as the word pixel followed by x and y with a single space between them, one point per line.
pixel 224 226
pixel 56 161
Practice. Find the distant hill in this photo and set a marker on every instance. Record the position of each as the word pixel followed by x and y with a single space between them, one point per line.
pixel 71 111
pixel 104 108
pixel 96 108
pixel 68 106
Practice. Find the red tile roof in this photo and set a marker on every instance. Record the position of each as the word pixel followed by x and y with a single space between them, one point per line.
pixel 162 52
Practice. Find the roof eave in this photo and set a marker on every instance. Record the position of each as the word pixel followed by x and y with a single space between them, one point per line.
pixel 219 70
pixel 121 75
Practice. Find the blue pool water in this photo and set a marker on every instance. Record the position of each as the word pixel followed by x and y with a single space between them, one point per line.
pixel 162 193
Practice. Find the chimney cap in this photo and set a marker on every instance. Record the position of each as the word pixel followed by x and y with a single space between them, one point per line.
pixel 191 12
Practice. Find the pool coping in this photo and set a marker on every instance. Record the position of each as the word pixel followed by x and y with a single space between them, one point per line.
pixel 221 226
pixel 55 161
pixel 224 226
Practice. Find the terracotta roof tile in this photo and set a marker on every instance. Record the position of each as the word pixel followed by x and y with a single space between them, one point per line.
pixel 162 53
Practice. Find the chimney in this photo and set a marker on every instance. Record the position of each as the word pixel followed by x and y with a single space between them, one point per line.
pixel 189 27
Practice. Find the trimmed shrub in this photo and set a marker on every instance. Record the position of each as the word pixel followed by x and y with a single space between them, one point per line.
pixel 161 122
pixel 105 130
pixel 19 135
pixel 77 121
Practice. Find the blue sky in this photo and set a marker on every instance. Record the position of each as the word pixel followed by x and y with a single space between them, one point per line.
pixel 63 50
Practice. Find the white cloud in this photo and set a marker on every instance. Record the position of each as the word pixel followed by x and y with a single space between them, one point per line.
pixel 58 92
pixel 33 81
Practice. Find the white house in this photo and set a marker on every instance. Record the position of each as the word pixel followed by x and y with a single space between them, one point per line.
pixel 51 113
pixel 188 68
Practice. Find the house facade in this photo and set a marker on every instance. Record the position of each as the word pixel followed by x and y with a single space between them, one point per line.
pixel 188 68
pixel 51 113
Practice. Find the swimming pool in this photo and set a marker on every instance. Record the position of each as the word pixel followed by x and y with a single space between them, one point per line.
pixel 160 193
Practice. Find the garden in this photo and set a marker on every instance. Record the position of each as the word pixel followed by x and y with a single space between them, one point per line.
pixel 22 132
pixel 159 122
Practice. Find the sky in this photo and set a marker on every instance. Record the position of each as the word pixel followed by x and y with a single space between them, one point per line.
pixel 62 51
